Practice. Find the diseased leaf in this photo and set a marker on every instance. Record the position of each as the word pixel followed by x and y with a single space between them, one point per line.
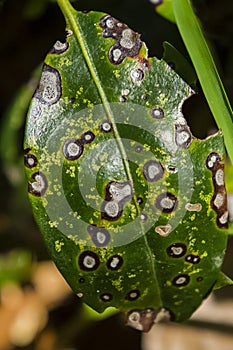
pixel 132 206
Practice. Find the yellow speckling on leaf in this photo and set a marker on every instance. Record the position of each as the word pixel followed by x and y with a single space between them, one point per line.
pixel 198 182
pixel 95 167
pixel 91 196
pixel 53 224
pixel 193 217
pixel 88 103
pixel 118 284
pixel 79 92
pixel 45 202
pixel 103 157
pixel 204 255
pixel 58 246
pixel 104 253
pixel 69 225
pixel 147 147
pixel 168 283
pixel 96 214
pixel 117 73
pixel 163 100
pixel 206 198
pixel 71 171
pixel 175 296
pixel 192 242
pixel 64 61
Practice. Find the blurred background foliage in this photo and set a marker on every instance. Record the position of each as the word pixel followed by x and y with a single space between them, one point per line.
pixel 28 29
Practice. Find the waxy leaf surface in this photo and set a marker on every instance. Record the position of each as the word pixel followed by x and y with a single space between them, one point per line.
pixel 132 206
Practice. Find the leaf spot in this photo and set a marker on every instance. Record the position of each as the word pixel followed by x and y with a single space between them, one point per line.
pixel 88 261
pixel 49 90
pixel 30 161
pixel 39 186
pixel 100 236
pixel 115 262
pixel 59 47
pixel 117 194
pixel 143 217
pixel 193 207
pixel 219 199
pixel 183 136
pixel 176 250
pixel 105 126
pixel 163 230
pixel 137 75
pixel 106 297
pixel 219 177
pixel 157 113
pixel 141 320
pixel 87 137
pixel 193 259
pixel 166 202
pixel 127 42
pixel 72 149
pixel 181 280
pixel 153 171
pixel 133 295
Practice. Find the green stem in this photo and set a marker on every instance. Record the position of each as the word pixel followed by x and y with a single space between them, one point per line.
pixel 206 70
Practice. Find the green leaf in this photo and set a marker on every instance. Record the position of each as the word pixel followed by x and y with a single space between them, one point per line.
pixel 223 281
pixel 123 193
pixel 179 63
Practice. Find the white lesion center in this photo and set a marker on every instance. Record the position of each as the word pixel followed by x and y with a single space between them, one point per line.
pixel 127 41
pixel 219 177
pixel 163 230
pixel 193 207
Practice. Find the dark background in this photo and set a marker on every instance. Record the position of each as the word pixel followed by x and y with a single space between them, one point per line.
pixel 28 30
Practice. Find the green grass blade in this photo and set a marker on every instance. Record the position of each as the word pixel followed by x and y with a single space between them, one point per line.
pixel 206 70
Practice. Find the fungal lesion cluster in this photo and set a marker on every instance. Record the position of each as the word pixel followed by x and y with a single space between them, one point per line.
pixel 219 199
pixel 39 184
pixel 144 319
pixel 179 250
pixel 89 261
pixel 117 194
pixel 127 42
pixel 59 47
pixel 73 148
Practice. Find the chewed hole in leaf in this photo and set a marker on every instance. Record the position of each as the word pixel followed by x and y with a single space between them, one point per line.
pixel 200 121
